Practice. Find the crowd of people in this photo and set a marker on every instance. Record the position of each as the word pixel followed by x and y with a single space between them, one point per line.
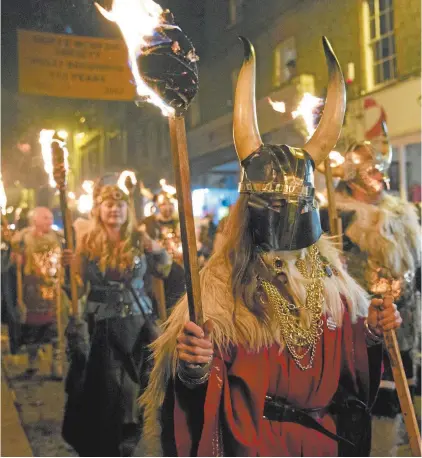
pixel 289 361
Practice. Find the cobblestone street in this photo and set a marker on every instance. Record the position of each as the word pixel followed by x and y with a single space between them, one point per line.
pixel 39 402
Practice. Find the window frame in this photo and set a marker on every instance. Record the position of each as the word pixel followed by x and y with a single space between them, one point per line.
pixel 279 68
pixel 234 12
pixel 375 38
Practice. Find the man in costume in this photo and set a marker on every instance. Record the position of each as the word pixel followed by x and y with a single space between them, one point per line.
pixel 381 231
pixel 37 251
pixel 8 288
pixel 282 365
pixel 164 223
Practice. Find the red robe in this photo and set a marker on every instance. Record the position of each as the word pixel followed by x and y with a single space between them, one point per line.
pixel 232 406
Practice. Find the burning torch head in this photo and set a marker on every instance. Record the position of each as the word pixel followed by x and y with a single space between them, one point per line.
pixel 279 179
pixel 367 164
pixel 161 57
pixel 169 66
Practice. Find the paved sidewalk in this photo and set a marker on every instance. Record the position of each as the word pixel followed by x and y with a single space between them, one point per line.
pixel 13 438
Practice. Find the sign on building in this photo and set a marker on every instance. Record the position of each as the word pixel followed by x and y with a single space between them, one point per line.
pixel 73 66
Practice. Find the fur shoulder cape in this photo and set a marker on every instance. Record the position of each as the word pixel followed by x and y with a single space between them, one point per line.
pixel 389 232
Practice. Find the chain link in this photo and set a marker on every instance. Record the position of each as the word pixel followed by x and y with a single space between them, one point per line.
pixel 288 315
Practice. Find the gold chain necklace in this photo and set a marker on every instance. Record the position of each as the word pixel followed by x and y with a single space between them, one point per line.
pixel 288 315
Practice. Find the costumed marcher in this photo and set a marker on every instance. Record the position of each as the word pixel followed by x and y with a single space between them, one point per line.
pixel 288 361
pixel 109 366
pixel 163 227
pixel 37 251
pixel 206 236
pixel 9 311
pixel 381 231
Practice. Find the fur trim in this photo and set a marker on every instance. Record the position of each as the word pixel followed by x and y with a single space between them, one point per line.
pixel 389 232
pixel 234 324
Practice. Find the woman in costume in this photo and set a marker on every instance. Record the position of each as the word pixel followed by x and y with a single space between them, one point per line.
pixel 108 367
pixel 282 365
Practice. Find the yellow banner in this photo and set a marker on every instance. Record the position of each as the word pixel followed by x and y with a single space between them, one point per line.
pixel 72 66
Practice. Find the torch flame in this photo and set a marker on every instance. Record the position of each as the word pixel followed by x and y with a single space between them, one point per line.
pixel 88 186
pixel 46 137
pixel 306 109
pixel 138 21
pixel 167 188
pixel 336 159
pixel 85 201
pixel 278 106
pixel 3 198
pixel 121 182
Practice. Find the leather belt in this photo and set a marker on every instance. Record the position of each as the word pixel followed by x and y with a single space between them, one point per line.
pixel 107 296
pixel 276 409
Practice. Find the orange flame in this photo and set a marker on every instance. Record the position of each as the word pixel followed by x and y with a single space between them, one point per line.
pixel 138 21
pixel 305 109
pixel 3 198
pixel 121 182
pixel 278 106
pixel 167 188
pixel 45 139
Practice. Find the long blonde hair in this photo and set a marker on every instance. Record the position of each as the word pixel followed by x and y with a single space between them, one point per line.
pixel 95 244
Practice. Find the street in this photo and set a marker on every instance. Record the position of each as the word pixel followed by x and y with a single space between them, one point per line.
pixel 39 402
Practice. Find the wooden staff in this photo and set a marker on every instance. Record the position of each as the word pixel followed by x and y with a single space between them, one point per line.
pixel 187 227
pixel 402 387
pixel 19 287
pixel 385 285
pixel 59 173
pixel 335 222
pixel 59 317
pixel 160 296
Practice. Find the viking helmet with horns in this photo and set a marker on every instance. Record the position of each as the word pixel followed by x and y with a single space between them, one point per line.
pixel 366 163
pixel 279 179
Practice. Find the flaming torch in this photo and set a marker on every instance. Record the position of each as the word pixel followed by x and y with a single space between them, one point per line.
pixel 45 139
pixel 163 64
pixel 58 154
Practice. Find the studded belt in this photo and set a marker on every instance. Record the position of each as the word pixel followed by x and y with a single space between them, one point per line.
pixel 102 311
pixel 276 409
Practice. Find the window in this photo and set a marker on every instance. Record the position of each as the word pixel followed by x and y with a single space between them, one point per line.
pixel 382 46
pixel 235 11
pixel 284 62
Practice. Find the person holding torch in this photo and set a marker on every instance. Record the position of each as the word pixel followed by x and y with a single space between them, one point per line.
pixel 289 358
pixel 381 231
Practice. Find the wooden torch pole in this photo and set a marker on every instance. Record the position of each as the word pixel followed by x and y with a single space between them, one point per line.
pixel 402 387
pixel 335 221
pixel 59 173
pixel 382 285
pixel 187 227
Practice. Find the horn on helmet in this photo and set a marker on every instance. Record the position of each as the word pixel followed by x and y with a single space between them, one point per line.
pixel 245 126
pixel 328 131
